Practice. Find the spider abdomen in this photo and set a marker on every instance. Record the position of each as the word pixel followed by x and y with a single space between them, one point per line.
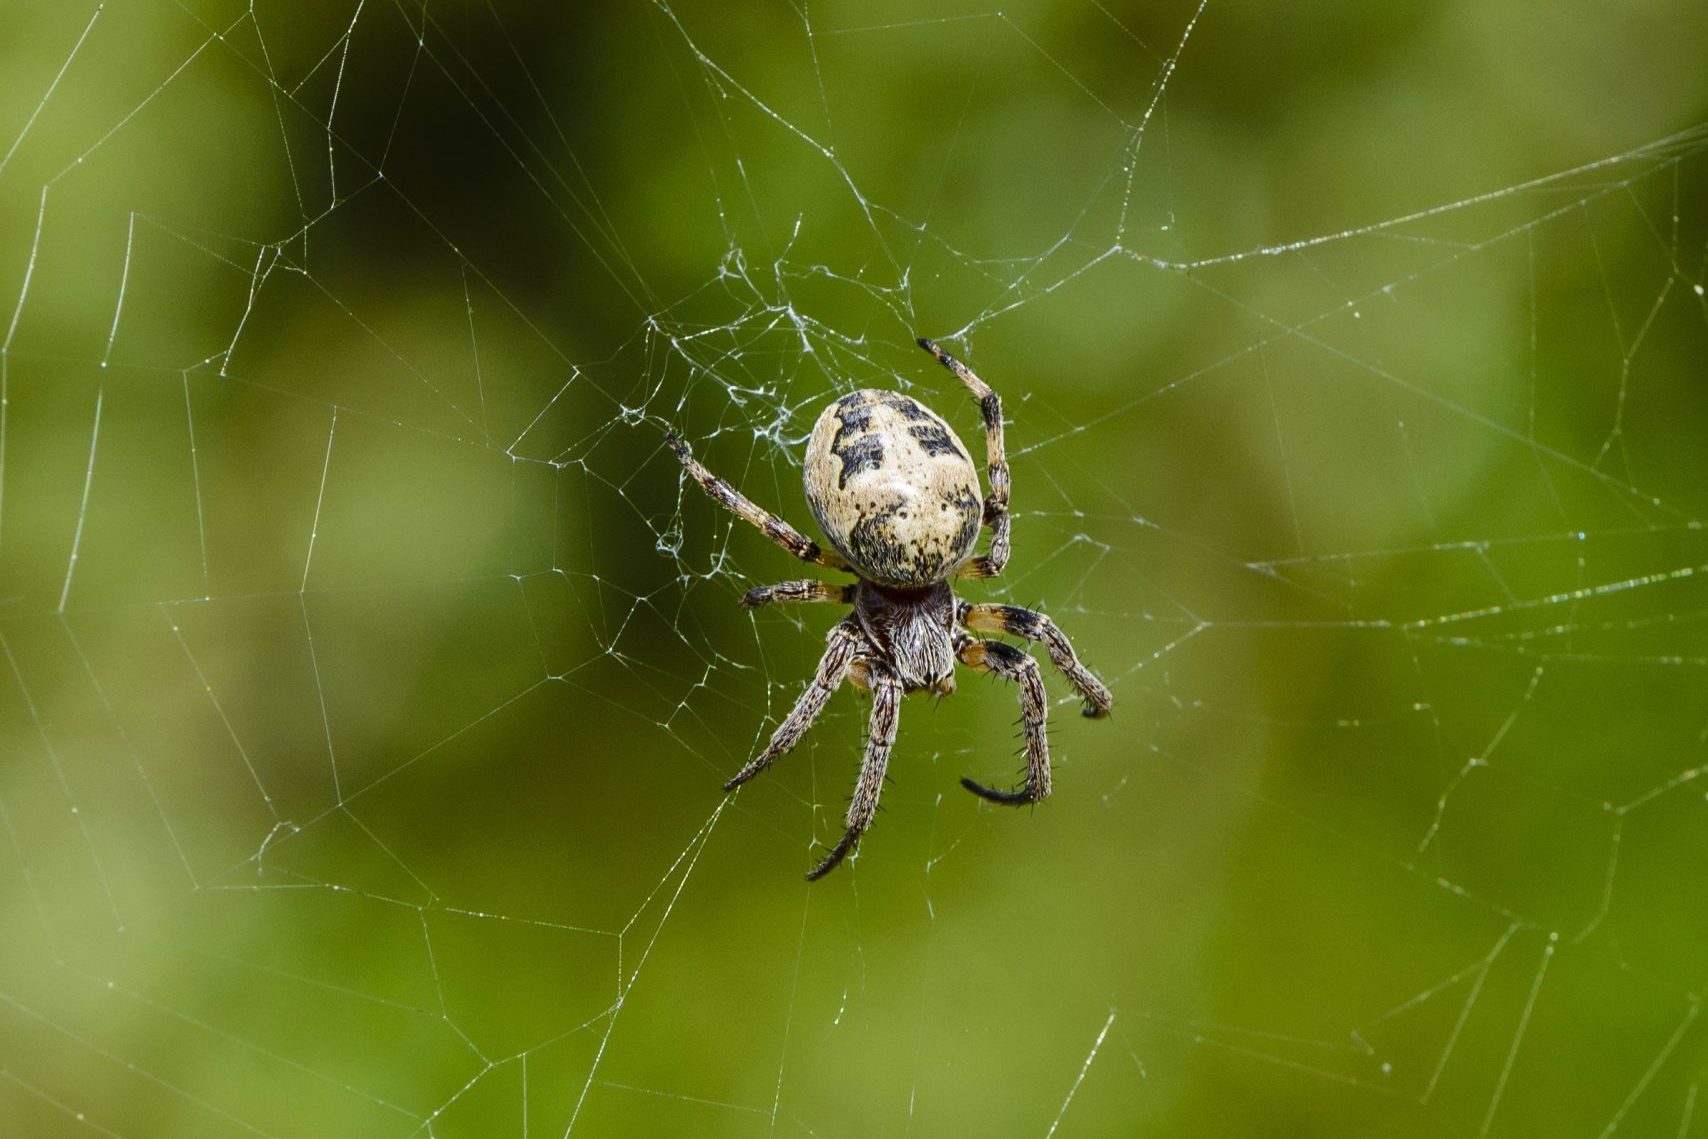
pixel 893 488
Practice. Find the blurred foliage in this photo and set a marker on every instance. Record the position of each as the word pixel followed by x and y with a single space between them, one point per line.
pixel 371 670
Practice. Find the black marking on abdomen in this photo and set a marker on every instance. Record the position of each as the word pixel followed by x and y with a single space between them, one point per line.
pixel 854 417
pixel 933 439
pixel 968 504
pixel 877 553
pixel 908 407
pixel 863 454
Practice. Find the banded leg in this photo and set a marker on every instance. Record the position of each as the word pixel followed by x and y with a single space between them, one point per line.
pixel 996 466
pixel 886 711
pixel 1007 661
pixel 832 670
pixel 1035 626
pixel 750 512
pixel 797 591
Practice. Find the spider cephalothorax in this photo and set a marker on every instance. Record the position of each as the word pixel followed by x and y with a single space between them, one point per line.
pixel 897 494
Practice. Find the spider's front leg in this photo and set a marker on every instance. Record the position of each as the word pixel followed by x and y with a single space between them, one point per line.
pixel 996 466
pixel 886 689
pixel 845 641
pixel 1008 661
pixel 1034 626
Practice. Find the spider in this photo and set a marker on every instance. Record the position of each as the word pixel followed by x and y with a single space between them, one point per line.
pixel 897 494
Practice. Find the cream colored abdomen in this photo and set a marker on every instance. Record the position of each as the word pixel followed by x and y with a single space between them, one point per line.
pixel 893 488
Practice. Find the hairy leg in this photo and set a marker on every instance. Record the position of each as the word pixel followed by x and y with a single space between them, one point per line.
pixel 1007 661
pixel 845 642
pixel 797 591
pixel 996 466
pixel 1034 626
pixel 750 512
pixel 886 712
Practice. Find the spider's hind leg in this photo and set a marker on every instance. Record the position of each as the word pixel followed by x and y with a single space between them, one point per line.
pixel 752 513
pixel 996 514
pixel 1007 661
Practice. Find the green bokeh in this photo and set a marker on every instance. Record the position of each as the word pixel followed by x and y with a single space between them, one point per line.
pixel 371 671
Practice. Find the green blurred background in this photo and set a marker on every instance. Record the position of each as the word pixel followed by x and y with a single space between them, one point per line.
pixel 370 671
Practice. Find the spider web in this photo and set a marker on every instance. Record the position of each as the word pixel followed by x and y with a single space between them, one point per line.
pixel 371 669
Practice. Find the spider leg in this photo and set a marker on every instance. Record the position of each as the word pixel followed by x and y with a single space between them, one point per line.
pixel 1007 661
pixel 996 466
pixel 750 512
pixel 797 591
pixel 1035 626
pixel 886 689
pixel 845 641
